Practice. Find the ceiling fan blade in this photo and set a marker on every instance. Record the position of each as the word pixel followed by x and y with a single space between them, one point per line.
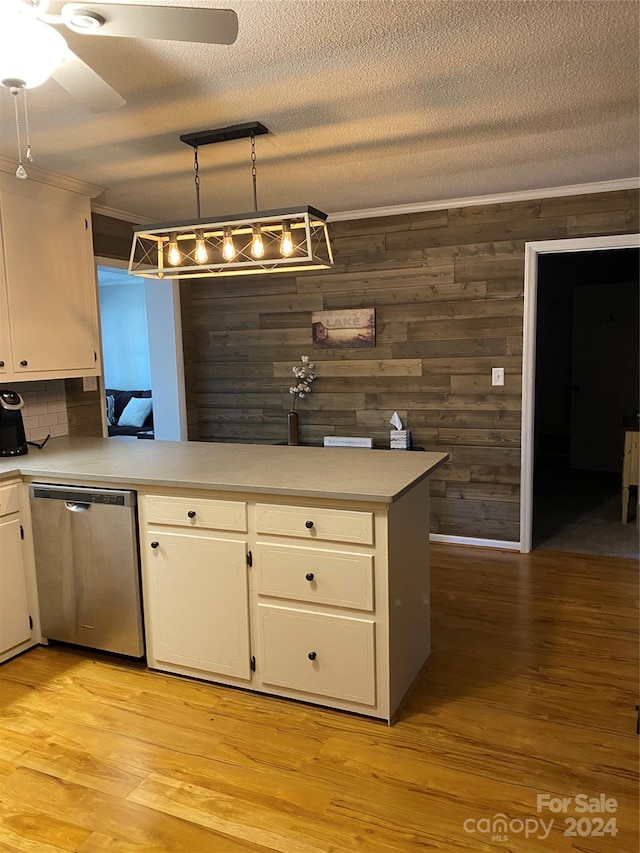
pixel 171 23
pixel 85 86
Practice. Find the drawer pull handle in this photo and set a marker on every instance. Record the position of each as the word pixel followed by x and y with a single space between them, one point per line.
pixel 191 513
pixel 155 544
pixel 24 363
pixel 308 524
pixel 309 576
pixel 1 363
pixel 312 656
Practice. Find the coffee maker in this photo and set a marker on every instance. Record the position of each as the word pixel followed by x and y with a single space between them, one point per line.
pixel 13 441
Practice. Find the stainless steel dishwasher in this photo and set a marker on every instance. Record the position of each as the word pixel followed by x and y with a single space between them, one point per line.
pixel 87 566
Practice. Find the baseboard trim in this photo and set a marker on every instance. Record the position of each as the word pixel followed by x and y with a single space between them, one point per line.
pixel 499 544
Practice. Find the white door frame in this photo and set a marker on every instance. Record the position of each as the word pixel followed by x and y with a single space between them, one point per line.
pixel 168 364
pixel 532 250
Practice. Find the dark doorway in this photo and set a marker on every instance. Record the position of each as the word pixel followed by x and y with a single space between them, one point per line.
pixel 587 381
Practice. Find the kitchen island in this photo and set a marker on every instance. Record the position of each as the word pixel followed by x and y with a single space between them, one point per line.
pixel 300 572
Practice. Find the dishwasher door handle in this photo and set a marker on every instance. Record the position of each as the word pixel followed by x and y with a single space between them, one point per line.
pixel 74 506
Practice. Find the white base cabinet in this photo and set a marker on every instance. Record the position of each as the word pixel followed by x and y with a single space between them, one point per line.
pixel 198 602
pixel 324 601
pixel 195 585
pixel 18 609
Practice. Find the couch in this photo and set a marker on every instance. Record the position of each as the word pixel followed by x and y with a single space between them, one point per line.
pixel 117 405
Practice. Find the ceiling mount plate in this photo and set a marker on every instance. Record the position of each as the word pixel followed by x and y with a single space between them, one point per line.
pixel 224 134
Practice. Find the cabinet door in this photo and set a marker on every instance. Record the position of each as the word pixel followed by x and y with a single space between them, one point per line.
pixel 50 283
pixel 196 590
pixel 5 340
pixel 15 628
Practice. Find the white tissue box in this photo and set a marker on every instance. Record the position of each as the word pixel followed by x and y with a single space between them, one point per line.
pixel 400 439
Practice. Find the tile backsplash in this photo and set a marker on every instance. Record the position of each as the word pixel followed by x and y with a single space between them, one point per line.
pixel 45 408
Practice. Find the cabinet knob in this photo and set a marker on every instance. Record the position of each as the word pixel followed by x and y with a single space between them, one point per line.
pixel 155 544
pixel 1 363
pixel 192 513
pixel 312 656
pixel 24 363
pixel 308 524
pixel 309 576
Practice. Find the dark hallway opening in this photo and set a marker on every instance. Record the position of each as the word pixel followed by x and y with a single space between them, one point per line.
pixel 587 392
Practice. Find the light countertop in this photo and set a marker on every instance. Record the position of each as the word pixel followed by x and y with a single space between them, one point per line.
pixel 320 472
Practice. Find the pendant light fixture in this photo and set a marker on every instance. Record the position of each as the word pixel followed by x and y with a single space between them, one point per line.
pixel 283 240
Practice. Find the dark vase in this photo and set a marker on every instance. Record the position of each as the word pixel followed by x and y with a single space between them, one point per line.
pixel 292 427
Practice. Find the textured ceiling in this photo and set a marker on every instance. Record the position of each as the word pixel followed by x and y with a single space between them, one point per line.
pixel 369 103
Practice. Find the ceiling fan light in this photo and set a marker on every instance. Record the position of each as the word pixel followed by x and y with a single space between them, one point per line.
pixel 29 50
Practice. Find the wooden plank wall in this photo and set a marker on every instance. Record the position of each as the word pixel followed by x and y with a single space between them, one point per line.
pixel 447 287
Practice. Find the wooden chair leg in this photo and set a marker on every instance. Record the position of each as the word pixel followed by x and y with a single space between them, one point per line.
pixel 625 504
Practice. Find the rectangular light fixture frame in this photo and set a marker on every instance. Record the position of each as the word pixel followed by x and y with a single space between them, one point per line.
pixel 310 238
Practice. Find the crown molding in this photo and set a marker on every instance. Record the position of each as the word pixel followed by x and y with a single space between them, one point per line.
pixel 443 204
pixel 52 179
pixel 124 215
pixel 497 198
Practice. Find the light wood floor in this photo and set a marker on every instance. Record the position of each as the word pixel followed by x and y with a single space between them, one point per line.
pixel 531 690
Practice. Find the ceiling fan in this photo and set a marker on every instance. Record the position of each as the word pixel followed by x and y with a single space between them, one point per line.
pixel 32 48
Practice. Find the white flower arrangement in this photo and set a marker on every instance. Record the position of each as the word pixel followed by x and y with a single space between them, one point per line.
pixel 305 376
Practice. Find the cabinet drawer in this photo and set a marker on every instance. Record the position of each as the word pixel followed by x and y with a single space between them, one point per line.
pixel 197 512
pixel 306 574
pixel 9 501
pixel 316 523
pixel 320 654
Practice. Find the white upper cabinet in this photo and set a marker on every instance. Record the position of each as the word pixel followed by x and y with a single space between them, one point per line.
pixel 5 340
pixel 49 324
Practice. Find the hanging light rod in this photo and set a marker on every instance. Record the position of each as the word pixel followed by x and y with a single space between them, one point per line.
pixel 282 240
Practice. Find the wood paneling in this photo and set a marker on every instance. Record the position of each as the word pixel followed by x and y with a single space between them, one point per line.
pixel 84 409
pixel 530 690
pixel 447 287
pixel 112 238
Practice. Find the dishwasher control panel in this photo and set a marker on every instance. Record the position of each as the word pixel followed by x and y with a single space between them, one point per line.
pixel 81 494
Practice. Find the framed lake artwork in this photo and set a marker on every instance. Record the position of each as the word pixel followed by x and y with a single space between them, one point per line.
pixel 341 329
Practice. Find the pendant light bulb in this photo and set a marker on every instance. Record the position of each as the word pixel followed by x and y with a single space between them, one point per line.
pixel 173 254
pixel 286 243
pixel 228 249
pixel 201 255
pixel 257 246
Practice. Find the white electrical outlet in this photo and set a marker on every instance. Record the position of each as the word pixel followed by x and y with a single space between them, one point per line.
pixel 497 375
pixel 89 383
